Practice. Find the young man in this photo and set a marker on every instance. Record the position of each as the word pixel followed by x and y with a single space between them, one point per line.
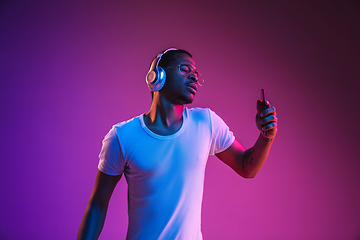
pixel 163 155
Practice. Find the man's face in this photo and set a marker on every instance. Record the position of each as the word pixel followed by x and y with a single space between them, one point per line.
pixel 180 88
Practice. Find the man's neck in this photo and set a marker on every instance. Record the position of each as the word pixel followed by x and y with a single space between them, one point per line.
pixel 164 117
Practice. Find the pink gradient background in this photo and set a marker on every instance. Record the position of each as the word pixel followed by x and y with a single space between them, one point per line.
pixel 69 70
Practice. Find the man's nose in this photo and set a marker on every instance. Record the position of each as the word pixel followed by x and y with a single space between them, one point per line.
pixel 193 76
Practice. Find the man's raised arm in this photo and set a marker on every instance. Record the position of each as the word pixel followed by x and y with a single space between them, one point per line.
pixel 247 163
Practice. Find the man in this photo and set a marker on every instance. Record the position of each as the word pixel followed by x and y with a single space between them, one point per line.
pixel 163 154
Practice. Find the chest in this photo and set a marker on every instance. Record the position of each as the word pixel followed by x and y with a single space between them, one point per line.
pixel 147 156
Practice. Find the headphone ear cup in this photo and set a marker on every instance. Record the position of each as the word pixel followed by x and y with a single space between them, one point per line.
pixel 156 76
pixel 162 77
pixel 150 77
pixel 156 79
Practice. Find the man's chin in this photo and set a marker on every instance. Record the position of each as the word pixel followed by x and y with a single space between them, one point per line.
pixel 188 100
pixel 182 100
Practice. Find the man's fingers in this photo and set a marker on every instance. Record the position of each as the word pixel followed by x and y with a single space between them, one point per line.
pixel 268 119
pixel 266 112
pixel 270 126
pixel 260 107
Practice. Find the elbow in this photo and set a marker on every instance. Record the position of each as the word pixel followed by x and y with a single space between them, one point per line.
pixel 247 175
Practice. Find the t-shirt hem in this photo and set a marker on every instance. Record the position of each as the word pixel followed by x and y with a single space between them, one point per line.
pixel 226 146
pixel 108 173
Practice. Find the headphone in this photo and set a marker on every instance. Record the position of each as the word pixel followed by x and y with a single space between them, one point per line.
pixel 156 76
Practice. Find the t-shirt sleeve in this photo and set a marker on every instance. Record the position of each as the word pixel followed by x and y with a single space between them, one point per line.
pixel 221 136
pixel 111 157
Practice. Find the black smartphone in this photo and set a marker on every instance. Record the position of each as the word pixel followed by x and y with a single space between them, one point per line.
pixel 264 105
pixel 263 98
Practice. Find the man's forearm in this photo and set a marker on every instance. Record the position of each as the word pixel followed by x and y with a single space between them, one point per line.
pixel 92 222
pixel 255 157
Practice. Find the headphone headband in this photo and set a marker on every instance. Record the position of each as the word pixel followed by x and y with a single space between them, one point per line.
pixel 162 53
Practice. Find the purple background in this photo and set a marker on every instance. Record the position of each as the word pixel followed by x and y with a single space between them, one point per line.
pixel 69 70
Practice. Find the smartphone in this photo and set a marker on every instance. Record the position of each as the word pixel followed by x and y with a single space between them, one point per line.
pixel 263 98
pixel 264 105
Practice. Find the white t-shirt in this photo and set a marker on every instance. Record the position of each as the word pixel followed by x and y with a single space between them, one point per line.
pixel 165 174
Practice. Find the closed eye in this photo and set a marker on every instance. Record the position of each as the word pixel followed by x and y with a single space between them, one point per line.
pixel 185 68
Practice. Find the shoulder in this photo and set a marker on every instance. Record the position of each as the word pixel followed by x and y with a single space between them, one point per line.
pixel 203 113
pixel 128 124
pixel 125 128
pixel 199 112
pixel 199 115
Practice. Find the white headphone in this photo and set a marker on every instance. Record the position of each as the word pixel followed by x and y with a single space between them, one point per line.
pixel 156 76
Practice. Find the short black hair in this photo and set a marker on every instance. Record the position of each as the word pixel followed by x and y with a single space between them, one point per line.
pixel 170 57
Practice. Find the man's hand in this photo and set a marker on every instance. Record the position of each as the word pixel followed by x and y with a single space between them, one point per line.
pixel 266 120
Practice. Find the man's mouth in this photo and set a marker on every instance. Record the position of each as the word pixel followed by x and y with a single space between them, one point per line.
pixel 192 88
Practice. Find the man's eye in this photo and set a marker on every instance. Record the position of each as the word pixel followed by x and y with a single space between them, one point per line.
pixel 184 68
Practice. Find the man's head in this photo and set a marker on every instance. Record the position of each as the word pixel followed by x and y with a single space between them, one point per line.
pixel 175 66
pixel 156 76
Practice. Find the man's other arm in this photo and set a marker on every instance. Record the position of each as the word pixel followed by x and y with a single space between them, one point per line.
pixel 95 213
pixel 248 162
